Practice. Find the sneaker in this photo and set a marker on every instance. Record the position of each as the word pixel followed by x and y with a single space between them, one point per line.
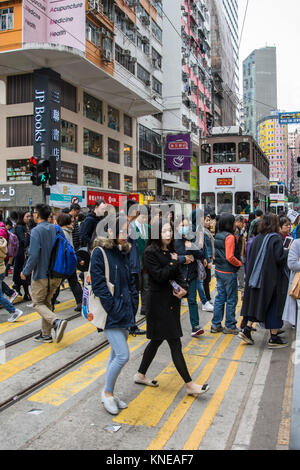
pixel 59 328
pixel 231 331
pixel 15 315
pixel 120 404
pixel 197 331
pixel 13 296
pixel 109 404
pixel 43 338
pixel 216 329
pixel 275 342
pixel 134 330
pixel 27 298
pixel 245 335
pixel 207 307
pixel 78 308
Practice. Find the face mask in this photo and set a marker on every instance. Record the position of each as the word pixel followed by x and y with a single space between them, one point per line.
pixel 184 230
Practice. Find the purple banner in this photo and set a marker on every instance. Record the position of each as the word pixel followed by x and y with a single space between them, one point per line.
pixel 178 152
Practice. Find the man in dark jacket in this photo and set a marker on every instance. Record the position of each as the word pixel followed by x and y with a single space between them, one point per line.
pixel 88 226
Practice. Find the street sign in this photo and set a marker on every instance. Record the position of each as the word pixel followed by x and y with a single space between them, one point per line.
pixel 289 118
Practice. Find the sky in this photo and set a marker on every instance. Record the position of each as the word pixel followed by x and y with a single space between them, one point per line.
pixel 274 23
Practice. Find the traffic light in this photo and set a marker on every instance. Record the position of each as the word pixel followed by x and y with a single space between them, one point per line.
pixel 39 168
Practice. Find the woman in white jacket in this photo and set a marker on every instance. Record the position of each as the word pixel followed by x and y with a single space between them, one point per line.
pixel 290 308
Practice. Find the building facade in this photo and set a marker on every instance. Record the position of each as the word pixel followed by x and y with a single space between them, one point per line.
pixel 259 87
pixel 109 77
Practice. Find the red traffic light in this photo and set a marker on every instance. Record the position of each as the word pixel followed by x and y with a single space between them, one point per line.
pixel 33 160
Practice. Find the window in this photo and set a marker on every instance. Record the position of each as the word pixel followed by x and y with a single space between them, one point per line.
pixel 92 144
pixel 156 86
pixel 205 153
pixel 124 59
pixel 224 203
pixel 156 30
pixel 19 88
pixel 156 59
pixel 149 141
pixel 108 8
pixel 19 131
pixel 92 34
pixel 113 151
pixel 209 201
pixel 224 152
pixel 69 136
pixel 92 176
pixel 127 155
pixel 6 19
pixel 68 172
pixel 92 108
pixel 18 170
pixel 128 184
pixel 113 118
pixel 68 96
pixel 127 125
pixel 244 152
pixel 242 203
pixel 143 75
pixel 113 180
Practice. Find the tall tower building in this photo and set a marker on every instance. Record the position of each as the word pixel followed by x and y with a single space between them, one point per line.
pixel 259 87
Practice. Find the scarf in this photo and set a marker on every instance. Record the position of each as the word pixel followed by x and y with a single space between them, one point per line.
pixel 255 278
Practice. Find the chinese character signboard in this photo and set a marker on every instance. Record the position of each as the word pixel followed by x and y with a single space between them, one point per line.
pixel 47 118
pixel 194 179
pixel 289 118
pixel 178 152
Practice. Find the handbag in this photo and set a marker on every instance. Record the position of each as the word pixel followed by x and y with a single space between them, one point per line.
pixel 201 271
pixel 92 308
pixel 294 291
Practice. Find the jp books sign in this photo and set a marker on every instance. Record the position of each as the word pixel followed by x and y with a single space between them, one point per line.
pixel 178 152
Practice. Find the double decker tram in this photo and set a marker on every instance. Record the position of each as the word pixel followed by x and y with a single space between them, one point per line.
pixel 234 172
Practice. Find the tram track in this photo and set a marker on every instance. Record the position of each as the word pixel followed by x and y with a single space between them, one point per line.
pixel 56 373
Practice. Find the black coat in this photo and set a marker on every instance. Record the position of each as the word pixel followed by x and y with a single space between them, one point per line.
pixel 256 302
pixel 163 319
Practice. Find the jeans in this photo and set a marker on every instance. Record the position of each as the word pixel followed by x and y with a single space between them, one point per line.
pixel 192 301
pixel 227 294
pixel 119 355
pixel 3 300
pixel 201 291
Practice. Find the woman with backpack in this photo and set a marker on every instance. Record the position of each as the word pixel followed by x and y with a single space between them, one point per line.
pixel 120 307
pixel 66 221
pixel 22 232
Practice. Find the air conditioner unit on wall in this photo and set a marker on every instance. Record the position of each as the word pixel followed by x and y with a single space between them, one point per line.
pixel 145 20
pixel 147 82
pixel 106 55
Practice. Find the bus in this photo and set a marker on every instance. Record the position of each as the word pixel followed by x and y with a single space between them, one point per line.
pixel 233 174
pixel 279 197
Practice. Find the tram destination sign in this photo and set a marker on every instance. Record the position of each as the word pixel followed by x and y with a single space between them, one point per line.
pixel 289 118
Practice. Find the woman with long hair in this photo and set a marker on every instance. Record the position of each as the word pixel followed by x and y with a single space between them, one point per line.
pixel 22 232
pixel 166 288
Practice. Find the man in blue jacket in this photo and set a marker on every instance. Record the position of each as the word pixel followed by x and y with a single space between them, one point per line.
pixel 42 288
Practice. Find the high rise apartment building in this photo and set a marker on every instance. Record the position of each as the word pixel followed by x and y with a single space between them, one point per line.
pixel 259 87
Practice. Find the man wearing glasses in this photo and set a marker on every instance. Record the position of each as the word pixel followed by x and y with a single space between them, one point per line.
pixel 42 288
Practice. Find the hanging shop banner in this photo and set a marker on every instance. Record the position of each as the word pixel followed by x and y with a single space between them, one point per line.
pixel 289 118
pixel 194 180
pixel 63 195
pixel 54 22
pixel 116 200
pixel 178 152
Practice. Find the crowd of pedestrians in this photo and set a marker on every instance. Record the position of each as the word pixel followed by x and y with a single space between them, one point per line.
pixel 160 260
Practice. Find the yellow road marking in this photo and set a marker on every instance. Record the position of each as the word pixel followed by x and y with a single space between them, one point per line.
pixel 43 351
pixel 64 388
pixel 26 319
pixel 211 409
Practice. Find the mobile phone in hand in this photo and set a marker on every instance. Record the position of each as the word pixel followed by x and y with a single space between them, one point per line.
pixel 175 286
pixel 287 242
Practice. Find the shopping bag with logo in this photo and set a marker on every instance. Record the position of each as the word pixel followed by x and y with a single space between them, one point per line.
pixel 92 309
pixel 294 291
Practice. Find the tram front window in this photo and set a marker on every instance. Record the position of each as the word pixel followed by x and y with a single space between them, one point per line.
pixel 208 201
pixel 242 203
pixel 224 203
pixel 205 153
pixel 274 189
pixel 244 152
pixel 225 152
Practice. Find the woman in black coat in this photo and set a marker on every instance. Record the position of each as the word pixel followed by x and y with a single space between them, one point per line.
pixel 22 232
pixel 265 303
pixel 163 319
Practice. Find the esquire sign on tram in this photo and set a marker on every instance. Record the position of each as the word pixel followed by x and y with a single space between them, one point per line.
pixel 234 175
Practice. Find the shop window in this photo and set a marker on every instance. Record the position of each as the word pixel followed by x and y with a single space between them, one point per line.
pixel 92 108
pixel 224 152
pixel 113 180
pixel 113 151
pixel 127 155
pixel 224 203
pixel 128 183
pixel 92 144
pixel 19 88
pixel 18 170
pixel 113 118
pixel 208 201
pixel 69 136
pixel 68 172
pixel 242 203
pixel 19 131
pixel 92 177
pixel 205 153
pixel 68 96
pixel 127 125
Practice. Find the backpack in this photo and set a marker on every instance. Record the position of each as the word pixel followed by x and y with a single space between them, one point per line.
pixel 12 244
pixel 63 259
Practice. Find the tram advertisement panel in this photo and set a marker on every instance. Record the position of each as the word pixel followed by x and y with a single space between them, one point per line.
pixel 216 177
